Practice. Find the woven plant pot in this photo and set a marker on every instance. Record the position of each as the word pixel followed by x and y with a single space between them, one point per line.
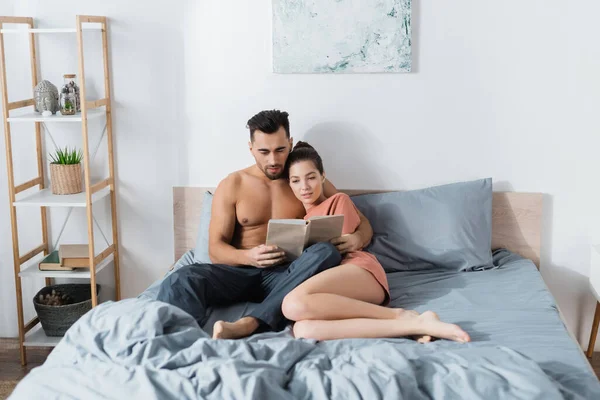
pixel 65 179
pixel 56 320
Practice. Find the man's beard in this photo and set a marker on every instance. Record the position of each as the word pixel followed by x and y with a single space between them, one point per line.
pixel 272 177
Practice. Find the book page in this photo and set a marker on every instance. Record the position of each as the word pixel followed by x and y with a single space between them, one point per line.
pixel 289 235
pixel 325 228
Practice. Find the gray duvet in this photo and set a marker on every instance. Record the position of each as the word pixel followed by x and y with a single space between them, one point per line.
pixel 142 348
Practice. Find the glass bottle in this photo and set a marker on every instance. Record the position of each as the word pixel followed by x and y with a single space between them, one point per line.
pixel 69 96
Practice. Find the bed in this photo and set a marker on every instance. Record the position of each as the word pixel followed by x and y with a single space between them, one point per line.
pixel 142 348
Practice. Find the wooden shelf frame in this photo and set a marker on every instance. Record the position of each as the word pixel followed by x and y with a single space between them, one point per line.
pixel 90 109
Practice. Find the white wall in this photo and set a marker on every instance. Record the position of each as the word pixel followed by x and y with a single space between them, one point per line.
pixel 505 89
pixel 147 74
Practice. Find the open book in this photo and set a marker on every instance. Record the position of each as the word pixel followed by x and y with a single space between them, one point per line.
pixel 295 235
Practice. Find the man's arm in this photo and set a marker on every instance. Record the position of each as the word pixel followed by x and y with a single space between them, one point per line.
pixel 363 234
pixel 222 227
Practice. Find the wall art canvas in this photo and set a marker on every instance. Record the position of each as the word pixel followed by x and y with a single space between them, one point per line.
pixel 341 36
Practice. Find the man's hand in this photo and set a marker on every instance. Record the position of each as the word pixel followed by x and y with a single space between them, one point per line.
pixel 347 243
pixel 264 256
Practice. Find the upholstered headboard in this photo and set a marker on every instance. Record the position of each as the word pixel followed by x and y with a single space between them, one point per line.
pixel 516 220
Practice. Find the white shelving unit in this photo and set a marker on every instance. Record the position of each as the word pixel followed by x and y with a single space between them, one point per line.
pixel 50 30
pixel 32 270
pixel 37 338
pixel 45 198
pixel 25 194
pixel 33 116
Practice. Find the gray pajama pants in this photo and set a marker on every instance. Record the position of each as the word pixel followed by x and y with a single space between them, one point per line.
pixel 194 288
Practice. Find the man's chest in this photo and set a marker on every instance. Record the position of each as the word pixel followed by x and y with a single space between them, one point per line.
pixel 260 204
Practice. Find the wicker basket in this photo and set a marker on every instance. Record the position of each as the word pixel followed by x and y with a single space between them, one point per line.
pixel 65 178
pixel 56 320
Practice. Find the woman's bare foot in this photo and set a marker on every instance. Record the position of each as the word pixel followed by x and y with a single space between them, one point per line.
pixel 234 330
pixel 432 325
pixel 419 338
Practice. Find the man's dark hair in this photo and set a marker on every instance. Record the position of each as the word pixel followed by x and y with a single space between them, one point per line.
pixel 269 121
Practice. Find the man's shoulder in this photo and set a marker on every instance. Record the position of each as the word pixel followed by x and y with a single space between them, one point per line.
pixel 229 185
pixel 234 177
pixel 233 182
pixel 238 176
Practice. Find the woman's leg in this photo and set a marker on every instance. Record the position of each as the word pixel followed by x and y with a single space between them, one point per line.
pixel 341 303
pixel 346 291
pixel 408 323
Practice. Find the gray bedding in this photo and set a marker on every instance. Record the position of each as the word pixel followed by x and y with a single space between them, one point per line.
pixel 141 348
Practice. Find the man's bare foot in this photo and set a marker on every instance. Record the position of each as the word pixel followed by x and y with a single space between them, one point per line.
pixel 432 325
pixel 234 330
pixel 419 338
pixel 422 338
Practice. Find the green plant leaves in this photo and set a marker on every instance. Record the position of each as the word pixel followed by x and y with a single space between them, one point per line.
pixel 66 156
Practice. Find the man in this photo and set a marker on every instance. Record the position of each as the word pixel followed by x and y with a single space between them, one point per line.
pixel 244 268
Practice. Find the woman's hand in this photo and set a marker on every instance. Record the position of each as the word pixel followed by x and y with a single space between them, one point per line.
pixel 347 243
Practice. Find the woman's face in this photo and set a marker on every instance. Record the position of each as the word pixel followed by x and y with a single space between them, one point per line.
pixel 306 182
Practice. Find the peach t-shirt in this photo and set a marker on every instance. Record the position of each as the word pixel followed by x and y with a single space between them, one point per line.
pixel 341 204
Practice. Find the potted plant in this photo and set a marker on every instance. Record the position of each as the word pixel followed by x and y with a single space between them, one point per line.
pixel 65 171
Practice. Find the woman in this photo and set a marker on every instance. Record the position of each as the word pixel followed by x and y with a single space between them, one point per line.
pixel 348 301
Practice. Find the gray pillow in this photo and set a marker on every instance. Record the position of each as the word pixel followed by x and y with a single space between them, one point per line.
pixel 201 251
pixel 447 226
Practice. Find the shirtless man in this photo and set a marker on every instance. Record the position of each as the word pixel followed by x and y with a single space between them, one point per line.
pixel 244 268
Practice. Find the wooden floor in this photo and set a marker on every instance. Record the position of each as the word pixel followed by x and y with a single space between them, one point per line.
pixel 11 370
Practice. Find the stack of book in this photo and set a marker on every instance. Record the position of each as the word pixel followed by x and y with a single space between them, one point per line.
pixel 66 258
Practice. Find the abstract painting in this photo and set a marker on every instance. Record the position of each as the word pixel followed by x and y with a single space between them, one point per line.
pixel 341 36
